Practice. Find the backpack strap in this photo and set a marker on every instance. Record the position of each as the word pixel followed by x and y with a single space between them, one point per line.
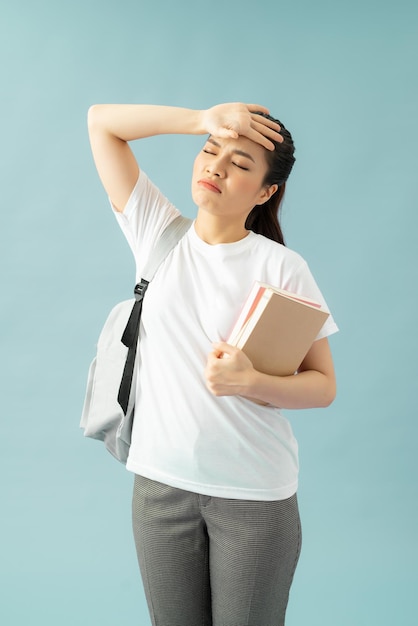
pixel 168 240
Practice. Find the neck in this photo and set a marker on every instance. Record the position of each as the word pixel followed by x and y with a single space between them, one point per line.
pixel 214 230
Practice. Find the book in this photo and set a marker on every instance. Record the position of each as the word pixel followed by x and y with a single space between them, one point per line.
pixel 276 329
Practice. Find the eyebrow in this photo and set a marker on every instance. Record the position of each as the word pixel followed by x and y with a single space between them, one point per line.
pixel 240 152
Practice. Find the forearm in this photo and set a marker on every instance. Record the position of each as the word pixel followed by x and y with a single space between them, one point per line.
pixel 307 389
pixel 128 122
pixel 113 126
pixel 314 385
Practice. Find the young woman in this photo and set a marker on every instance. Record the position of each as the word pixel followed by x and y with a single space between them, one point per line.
pixel 215 512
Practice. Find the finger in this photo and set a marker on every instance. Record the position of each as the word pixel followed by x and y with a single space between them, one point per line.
pixel 267 131
pixel 264 136
pixel 261 139
pixel 257 107
pixel 214 356
pixel 265 121
pixel 223 348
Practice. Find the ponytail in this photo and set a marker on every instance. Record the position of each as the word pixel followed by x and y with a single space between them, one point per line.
pixel 264 218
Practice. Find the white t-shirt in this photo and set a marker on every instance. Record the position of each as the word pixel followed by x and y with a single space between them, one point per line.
pixel 183 435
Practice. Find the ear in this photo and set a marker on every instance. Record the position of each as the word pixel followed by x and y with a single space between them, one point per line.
pixel 267 192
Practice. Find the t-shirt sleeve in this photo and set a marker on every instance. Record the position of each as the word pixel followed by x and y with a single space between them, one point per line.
pixel 302 282
pixel 145 216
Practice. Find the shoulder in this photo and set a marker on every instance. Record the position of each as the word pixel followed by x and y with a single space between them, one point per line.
pixel 277 251
pixel 145 194
pixel 145 217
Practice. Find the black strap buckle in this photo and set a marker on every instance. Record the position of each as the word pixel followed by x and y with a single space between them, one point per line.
pixel 140 289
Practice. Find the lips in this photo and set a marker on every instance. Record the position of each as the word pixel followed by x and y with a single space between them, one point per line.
pixel 208 184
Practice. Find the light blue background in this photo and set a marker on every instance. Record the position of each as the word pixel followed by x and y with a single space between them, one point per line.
pixel 343 77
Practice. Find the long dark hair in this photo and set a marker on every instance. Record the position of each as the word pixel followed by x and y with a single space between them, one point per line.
pixel 264 218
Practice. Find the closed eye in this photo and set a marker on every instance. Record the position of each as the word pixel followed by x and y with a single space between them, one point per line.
pixel 241 167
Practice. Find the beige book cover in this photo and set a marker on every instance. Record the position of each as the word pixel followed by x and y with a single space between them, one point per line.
pixel 276 329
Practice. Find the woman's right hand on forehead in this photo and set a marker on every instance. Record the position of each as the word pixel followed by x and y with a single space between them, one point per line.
pixel 233 119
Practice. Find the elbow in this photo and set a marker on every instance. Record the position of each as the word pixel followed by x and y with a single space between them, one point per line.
pixel 329 395
pixel 92 115
pixel 327 401
pixel 96 117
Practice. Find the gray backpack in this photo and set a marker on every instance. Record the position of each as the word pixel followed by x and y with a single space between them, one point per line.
pixel 109 404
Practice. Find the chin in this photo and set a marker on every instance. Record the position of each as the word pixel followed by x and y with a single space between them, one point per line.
pixel 202 201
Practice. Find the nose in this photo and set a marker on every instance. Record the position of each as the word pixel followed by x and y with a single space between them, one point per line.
pixel 215 167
